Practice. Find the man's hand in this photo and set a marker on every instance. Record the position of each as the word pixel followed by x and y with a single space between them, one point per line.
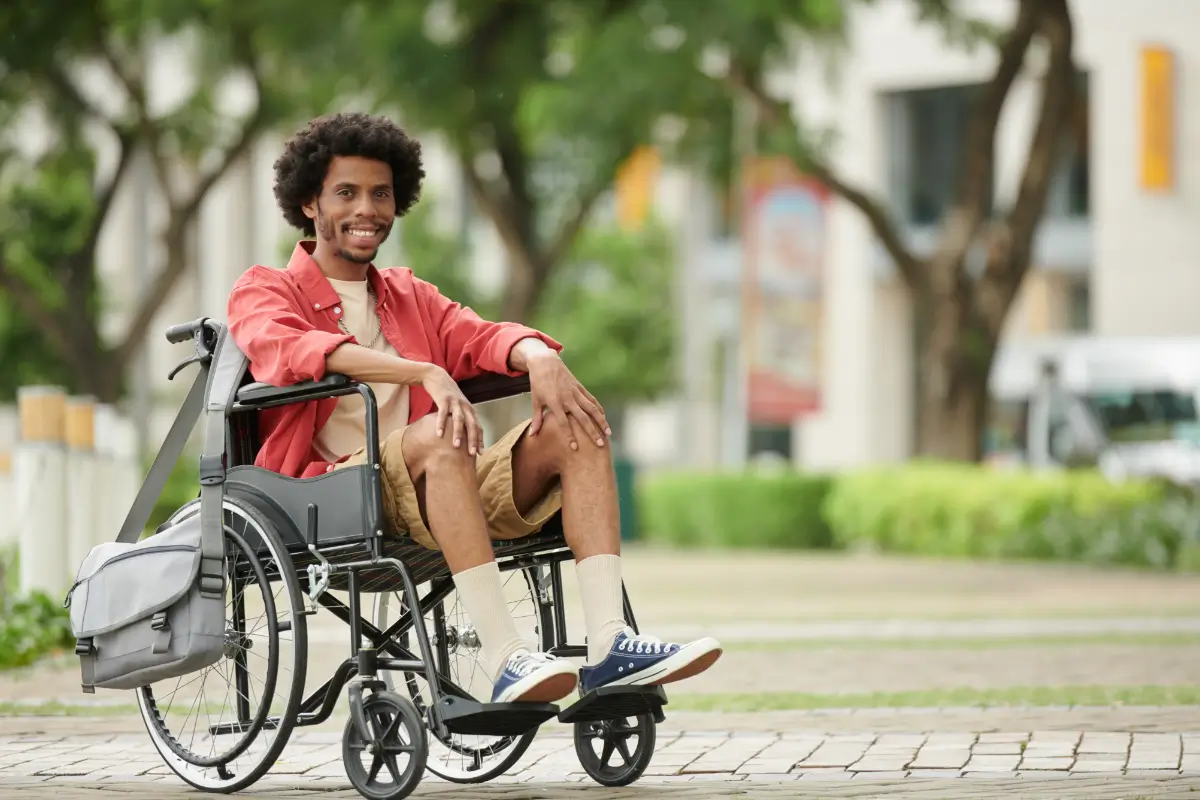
pixel 556 391
pixel 453 405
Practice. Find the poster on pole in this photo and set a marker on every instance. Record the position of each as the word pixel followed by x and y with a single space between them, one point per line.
pixel 785 223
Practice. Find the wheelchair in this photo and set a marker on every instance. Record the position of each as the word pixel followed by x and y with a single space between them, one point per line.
pixel 294 546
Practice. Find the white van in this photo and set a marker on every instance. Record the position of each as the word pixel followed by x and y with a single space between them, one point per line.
pixel 1125 405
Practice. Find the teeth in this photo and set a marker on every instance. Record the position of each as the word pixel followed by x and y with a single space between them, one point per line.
pixel 363 233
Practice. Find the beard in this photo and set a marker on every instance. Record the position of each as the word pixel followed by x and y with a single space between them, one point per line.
pixel 328 231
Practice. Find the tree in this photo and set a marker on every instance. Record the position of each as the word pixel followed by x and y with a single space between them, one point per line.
pixel 56 204
pixel 960 312
pixel 608 302
pixel 541 102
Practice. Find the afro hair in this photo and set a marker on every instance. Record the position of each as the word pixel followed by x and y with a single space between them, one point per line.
pixel 300 171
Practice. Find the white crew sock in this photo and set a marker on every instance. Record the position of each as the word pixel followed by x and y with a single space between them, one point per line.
pixel 603 610
pixel 483 598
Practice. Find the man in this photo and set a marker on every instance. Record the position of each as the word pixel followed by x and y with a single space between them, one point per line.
pixel 343 181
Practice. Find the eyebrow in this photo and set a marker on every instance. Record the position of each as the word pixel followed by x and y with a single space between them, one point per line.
pixel 349 185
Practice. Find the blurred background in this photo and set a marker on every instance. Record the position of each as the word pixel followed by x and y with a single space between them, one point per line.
pixel 895 277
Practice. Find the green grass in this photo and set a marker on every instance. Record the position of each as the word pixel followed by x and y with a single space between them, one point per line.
pixel 969 643
pixel 963 697
pixel 1030 696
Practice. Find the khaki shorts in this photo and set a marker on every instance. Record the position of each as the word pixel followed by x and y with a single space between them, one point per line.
pixel 493 468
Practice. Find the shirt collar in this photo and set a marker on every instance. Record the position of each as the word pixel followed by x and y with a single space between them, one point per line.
pixel 317 289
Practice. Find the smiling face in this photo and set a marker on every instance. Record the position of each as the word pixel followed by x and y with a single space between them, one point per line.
pixel 354 212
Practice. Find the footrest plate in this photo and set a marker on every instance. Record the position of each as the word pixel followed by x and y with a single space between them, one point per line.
pixel 615 702
pixel 472 718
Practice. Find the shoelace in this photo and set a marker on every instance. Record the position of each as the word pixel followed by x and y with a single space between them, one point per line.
pixel 644 643
pixel 529 662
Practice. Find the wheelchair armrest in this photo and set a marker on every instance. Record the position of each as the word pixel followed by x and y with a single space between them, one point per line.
pixel 481 389
pixel 493 386
pixel 256 393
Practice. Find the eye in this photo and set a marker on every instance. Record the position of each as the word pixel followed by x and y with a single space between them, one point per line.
pixel 383 194
pixel 345 193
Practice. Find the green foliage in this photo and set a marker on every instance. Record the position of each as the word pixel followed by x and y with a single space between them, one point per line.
pixel 32 628
pixel 612 306
pixel 611 302
pixel 932 509
pixel 747 509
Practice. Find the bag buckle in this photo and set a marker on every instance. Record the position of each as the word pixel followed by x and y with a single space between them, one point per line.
pixel 159 621
pixel 84 647
pixel 212 470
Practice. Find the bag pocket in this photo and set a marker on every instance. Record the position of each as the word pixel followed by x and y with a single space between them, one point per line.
pixel 138 614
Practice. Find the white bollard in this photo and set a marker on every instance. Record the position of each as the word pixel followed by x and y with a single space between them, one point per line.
pixel 8 530
pixel 81 471
pixel 40 466
pixel 104 480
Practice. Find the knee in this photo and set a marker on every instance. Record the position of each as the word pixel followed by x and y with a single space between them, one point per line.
pixel 425 451
pixel 556 443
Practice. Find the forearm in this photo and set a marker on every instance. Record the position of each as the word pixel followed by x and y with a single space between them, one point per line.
pixel 369 366
pixel 528 350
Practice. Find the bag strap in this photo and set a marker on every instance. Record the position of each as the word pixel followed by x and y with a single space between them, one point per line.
pixel 164 462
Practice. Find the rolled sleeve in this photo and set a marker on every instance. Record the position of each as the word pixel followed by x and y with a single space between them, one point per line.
pixel 282 346
pixel 470 344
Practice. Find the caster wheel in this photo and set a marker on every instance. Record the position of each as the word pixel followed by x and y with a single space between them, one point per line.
pixel 615 752
pixel 389 766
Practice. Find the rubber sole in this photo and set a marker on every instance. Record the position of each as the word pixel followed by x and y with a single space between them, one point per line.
pixel 555 687
pixel 687 663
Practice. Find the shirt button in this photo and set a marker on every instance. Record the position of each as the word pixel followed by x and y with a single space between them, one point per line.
pixel 317 305
pixel 329 468
pixel 337 311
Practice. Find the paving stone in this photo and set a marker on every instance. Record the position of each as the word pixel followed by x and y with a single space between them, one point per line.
pixel 992 763
pixel 940 759
pixel 997 749
pixel 1085 765
pixel 1063 763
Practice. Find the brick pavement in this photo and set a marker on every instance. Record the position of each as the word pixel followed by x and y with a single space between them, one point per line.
pixel 64 760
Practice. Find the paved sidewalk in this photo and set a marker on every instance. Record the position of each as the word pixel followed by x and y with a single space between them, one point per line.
pixel 56 760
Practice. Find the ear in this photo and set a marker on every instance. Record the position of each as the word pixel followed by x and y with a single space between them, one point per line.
pixel 310 209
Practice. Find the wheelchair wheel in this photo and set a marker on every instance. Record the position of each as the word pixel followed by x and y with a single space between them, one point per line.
pixel 464 758
pixel 611 738
pixel 222 728
pixel 389 766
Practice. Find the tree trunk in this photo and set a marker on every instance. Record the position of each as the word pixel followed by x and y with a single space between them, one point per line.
pixel 952 397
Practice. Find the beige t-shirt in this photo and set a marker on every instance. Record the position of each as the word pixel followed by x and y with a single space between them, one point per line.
pixel 346 430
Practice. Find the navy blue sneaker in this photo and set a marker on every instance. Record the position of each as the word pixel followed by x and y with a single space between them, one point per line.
pixel 534 678
pixel 641 660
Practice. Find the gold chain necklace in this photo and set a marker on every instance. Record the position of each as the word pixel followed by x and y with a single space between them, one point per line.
pixel 371 305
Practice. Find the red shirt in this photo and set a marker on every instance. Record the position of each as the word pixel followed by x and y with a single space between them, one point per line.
pixel 285 321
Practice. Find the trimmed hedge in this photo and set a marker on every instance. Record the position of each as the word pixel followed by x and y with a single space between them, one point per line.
pixel 778 510
pixel 932 509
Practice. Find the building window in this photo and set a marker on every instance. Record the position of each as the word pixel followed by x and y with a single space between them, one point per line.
pixel 1079 308
pixel 1070 189
pixel 928 132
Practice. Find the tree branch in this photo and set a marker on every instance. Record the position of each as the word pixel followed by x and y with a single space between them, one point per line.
pixel 49 323
pixel 569 230
pixel 774 112
pixel 962 220
pixel 1011 247
pixel 177 227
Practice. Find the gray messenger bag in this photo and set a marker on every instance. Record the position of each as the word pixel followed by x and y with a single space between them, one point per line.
pixel 152 610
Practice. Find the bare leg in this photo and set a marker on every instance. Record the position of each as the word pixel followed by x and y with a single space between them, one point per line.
pixel 448 496
pixel 591 522
pixel 591 516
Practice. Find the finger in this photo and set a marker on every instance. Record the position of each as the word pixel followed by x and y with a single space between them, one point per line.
pixel 443 412
pixel 589 426
pixel 538 411
pixel 474 432
pixel 594 411
pixel 564 416
pixel 457 424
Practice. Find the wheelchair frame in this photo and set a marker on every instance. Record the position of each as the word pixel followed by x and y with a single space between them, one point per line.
pixel 341 544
